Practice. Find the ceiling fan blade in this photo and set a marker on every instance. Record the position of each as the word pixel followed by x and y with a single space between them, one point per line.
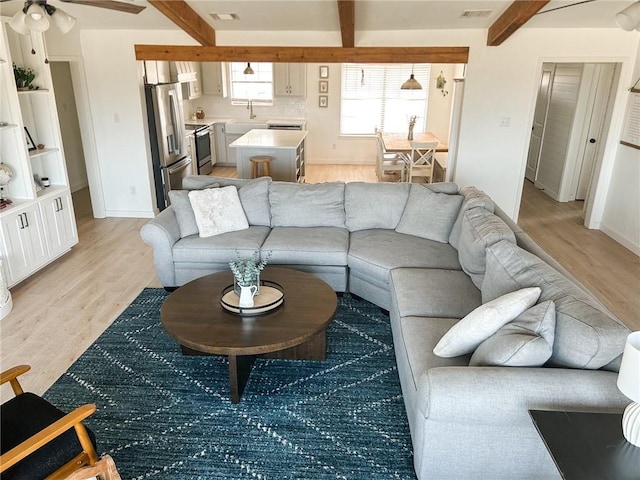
pixel 109 4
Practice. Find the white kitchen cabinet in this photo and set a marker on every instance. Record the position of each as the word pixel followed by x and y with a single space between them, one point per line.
pixel 290 79
pixel 157 71
pixel 189 75
pixel 214 78
pixel 219 136
pixel 24 242
pixel 59 223
pixel 39 225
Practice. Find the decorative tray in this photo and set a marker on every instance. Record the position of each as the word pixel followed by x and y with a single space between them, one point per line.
pixel 270 297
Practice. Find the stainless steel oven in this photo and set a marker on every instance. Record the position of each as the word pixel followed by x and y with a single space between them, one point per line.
pixel 202 135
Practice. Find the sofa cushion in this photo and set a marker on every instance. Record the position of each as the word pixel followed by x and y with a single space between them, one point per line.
pixel 465 336
pixel 472 198
pixel 184 211
pixel 480 229
pixel 527 341
pixel 374 205
pixel 428 214
pixel 433 292
pixel 419 336
pixel 254 194
pixel 374 253
pixel 586 336
pixel 307 246
pixel 217 210
pixel 222 248
pixel 307 205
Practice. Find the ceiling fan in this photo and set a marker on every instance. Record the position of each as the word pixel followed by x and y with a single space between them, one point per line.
pixel 35 14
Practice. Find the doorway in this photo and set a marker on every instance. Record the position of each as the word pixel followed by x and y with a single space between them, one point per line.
pixel 71 137
pixel 76 128
pixel 571 121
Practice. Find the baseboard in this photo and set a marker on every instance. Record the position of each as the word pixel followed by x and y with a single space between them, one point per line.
pixel 128 214
pixel 621 239
pixel 79 186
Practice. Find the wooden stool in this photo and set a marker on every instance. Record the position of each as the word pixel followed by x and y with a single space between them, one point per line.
pixel 258 160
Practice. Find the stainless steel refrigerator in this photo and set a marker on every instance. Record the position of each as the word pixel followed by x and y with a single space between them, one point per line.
pixel 170 160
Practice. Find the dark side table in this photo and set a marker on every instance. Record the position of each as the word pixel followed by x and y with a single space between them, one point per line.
pixel 588 445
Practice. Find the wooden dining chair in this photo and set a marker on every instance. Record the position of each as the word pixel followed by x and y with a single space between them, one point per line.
pixel 40 441
pixel 421 161
pixel 389 163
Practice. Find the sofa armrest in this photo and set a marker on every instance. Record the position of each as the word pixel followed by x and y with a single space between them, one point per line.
pixel 162 232
pixel 501 395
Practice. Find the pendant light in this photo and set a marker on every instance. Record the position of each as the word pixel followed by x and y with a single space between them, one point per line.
pixel 412 83
pixel 248 70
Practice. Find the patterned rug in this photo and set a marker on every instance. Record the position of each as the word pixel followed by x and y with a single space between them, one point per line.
pixel 164 415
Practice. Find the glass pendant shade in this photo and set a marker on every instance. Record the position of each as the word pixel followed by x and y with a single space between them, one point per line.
pixel 63 21
pixel 17 23
pixel 248 70
pixel 36 19
pixel 629 18
pixel 411 84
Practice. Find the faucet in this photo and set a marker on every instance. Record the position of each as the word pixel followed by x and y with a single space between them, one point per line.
pixel 250 107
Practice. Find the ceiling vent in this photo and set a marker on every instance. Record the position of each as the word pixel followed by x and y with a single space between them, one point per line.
pixel 224 16
pixel 475 13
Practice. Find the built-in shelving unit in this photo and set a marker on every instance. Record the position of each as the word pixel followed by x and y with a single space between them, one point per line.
pixel 39 225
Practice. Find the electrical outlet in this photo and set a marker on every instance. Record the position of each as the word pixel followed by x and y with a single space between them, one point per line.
pixel 132 190
pixel 505 121
pixel 116 118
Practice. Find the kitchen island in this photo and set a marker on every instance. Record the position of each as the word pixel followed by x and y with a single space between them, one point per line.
pixel 285 146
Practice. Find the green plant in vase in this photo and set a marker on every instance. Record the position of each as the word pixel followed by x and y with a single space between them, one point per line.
pixel 24 77
pixel 246 271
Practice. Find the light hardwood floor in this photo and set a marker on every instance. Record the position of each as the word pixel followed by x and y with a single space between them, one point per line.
pixel 61 310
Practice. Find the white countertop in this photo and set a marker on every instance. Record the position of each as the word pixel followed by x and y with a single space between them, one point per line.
pixel 261 138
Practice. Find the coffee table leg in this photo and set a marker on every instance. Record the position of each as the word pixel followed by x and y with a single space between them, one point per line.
pixel 239 371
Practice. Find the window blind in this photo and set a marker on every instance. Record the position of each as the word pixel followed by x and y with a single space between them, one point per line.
pixel 257 87
pixel 372 99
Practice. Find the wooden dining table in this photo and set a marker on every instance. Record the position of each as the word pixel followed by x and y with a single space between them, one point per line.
pixel 398 142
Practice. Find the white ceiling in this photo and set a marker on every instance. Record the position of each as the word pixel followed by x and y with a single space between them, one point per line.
pixel 322 15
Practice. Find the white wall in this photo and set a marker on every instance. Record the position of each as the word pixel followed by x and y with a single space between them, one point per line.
pixel 500 82
pixel 621 219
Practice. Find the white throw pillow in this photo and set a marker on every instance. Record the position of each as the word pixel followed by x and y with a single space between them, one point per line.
pixel 465 336
pixel 218 210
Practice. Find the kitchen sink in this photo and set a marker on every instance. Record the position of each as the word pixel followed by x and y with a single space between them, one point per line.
pixel 243 127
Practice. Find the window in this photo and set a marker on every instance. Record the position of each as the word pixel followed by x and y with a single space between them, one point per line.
pixel 372 98
pixel 257 87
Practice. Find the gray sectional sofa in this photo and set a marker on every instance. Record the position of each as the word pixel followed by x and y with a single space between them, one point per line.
pixel 430 255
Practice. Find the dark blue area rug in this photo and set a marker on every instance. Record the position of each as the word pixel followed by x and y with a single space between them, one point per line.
pixel 165 415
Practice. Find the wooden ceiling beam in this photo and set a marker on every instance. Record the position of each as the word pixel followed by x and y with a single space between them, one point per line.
pixel 514 17
pixel 303 54
pixel 347 11
pixel 180 13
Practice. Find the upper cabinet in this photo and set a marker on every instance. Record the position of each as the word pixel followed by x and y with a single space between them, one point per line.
pixel 189 75
pixel 214 78
pixel 290 79
pixel 157 71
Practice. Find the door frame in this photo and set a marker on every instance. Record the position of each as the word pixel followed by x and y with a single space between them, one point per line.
pixel 597 197
pixel 83 107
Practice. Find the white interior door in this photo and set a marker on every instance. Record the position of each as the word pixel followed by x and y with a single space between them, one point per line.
pixel 593 145
pixel 539 118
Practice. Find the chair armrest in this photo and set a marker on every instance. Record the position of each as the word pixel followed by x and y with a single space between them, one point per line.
pixel 72 419
pixel 502 395
pixel 12 375
pixel 162 232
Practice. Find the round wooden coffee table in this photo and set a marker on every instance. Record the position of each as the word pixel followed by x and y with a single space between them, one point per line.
pixel 194 317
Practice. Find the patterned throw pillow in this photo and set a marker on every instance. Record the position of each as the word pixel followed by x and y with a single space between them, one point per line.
pixel 218 210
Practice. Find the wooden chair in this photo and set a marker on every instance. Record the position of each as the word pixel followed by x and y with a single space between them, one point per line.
pixel 389 162
pixel 421 161
pixel 41 441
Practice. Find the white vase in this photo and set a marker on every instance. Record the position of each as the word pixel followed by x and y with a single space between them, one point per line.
pixel 246 296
